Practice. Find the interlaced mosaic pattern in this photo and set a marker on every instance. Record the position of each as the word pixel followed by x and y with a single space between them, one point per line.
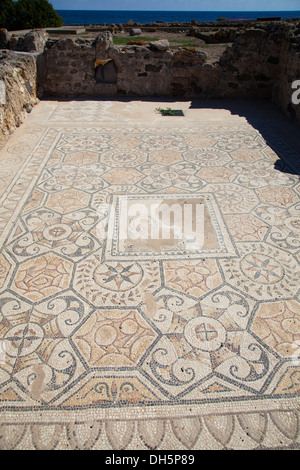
pixel 103 347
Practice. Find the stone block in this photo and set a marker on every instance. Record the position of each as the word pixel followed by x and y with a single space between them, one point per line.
pixel 13 42
pixel 207 37
pixel 103 42
pixel 4 38
pixel 153 68
pixel 65 31
pixel 255 33
pixel 35 41
pixel 161 45
pixel 135 32
pixel 2 92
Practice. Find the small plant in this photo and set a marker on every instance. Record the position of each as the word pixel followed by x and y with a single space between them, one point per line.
pixel 189 49
pixel 136 43
pixel 165 112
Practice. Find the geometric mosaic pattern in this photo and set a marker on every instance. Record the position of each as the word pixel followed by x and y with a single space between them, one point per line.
pixel 103 348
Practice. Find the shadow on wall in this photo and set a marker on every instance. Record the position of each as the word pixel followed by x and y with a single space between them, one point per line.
pixel 106 71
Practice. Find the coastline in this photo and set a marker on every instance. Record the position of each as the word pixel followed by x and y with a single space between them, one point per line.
pixel 106 17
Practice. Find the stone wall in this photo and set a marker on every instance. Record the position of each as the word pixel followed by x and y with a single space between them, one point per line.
pixel 18 89
pixel 261 63
pixel 33 41
pixel 288 71
pixel 79 68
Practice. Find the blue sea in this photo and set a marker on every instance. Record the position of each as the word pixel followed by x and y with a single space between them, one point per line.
pixel 103 17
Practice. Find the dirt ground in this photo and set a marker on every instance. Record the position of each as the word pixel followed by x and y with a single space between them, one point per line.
pixel 213 51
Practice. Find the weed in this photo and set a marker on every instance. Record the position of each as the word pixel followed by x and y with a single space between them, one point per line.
pixel 166 111
pixel 136 43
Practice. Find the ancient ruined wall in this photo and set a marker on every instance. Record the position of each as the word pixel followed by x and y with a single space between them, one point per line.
pixel 142 72
pixel 18 89
pixel 67 69
pixel 261 63
pixel 73 68
pixel 248 68
pixel 288 72
pixel 79 68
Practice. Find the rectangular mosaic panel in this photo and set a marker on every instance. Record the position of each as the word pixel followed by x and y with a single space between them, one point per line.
pixel 208 237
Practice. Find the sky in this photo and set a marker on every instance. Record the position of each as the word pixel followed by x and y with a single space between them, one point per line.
pixel 178 5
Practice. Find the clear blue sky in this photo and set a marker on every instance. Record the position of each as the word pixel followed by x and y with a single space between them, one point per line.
pixel 177 5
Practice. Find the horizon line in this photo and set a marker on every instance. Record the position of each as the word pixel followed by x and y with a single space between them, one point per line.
pixel 192 11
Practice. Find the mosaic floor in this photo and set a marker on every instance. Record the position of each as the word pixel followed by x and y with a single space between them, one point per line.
pixel 107 344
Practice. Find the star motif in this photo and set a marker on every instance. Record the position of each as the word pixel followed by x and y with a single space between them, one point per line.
pixel 262 268
pixel 119 274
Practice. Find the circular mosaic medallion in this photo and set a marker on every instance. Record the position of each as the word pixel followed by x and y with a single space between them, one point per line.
pixel 157 142
pixel 57 232
pixel 237 140
pixel 23 339
pixel 207 156
pixel 262 268
pixel 263 271
pixel 115 282
pixel 123 158
pixel 118 276
pixel 204 333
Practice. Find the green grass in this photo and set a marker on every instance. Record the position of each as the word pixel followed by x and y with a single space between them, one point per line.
pixel 174 43
pixel 182 43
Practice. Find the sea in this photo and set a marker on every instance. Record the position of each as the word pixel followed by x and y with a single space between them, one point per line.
pixel 103 17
